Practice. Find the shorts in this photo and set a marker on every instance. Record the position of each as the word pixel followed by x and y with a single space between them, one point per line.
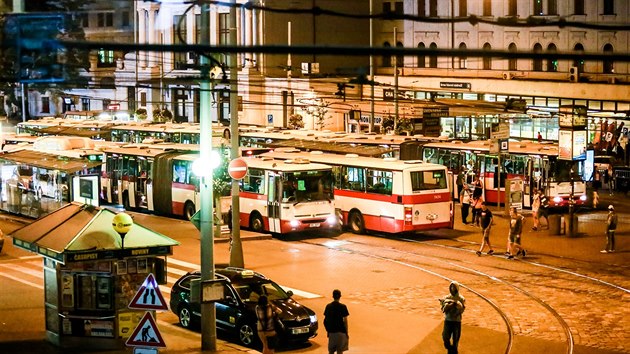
pixel 515 239
pixel 486 233
pixel 543 212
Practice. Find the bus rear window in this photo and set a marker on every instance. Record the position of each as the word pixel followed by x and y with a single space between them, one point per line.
pixel 428 180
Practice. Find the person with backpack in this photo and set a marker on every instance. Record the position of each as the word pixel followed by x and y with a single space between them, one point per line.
pixel 611 227
pixel 514 237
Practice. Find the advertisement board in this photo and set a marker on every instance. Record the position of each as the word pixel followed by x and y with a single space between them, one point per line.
pixel 565 144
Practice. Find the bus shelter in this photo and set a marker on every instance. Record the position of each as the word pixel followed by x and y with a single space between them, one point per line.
pixel 91 275
pixel 35 183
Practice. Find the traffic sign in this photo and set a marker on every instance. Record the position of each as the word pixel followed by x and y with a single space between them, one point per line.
pixel 146 334
pixel 148 296
pixel 237 168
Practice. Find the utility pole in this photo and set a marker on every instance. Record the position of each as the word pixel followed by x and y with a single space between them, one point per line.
pixel 236 251
pixel 371 128
pixel 18 7
pixel 208 314
pixel 395 82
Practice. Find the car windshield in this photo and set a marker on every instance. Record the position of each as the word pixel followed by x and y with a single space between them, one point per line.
pixel 250 292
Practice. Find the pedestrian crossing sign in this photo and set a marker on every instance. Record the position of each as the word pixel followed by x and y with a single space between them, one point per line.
pixel 146 334
pixel 148 296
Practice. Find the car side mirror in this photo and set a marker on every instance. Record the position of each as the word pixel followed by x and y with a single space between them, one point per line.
pixel 290 293
pixel 230 300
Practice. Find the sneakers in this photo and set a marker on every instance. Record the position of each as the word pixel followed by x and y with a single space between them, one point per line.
pixel 603 251
pixel 524 253
pixel 510 257
pixel 520 252
pixel 507 254
pixel 490 252
pixel 478 253
pixel 535 228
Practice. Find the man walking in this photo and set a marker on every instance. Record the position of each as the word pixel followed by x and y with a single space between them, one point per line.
pixel 485 217
pixel 543 209
pixel 453 305
pixel 514 238
pixel 611 227
pixel 336 323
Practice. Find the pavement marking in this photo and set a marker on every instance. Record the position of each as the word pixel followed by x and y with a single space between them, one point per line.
pixel 304 294
pixel 184 263
pixel 23 281
pixel 37 274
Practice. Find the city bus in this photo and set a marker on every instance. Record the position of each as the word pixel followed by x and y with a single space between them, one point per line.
pixel 384 194
pixel 177 133
pixel 537 164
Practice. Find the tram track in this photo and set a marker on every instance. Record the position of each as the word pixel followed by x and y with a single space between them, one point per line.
pixel 452 270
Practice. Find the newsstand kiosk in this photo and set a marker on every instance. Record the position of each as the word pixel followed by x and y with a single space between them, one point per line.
pixel 91 273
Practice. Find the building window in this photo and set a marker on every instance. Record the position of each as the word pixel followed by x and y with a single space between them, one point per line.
pixel 125 19
pixel 433 8
pixel 224 29
pixel 538 7
pixel 179 31
pixel 512 62
pixel 400 61
pixel 578 7
pixel 609 67
pixel 105 58
pixel 85 103
pixel 422 60
pixel 422 8
pixel 552 63
pixel 512 9
pixel 537 64
pixel 552 7
pixel 45 104
pixel 609 7
pixel 105 19
pixel 387 60
pixel 462 60
pixel 487 60
pixel 433 59
pixel 387 7
pixel 487 7
pixel 579 63
pixel 85 22
pixel 399 8
pixel 463 8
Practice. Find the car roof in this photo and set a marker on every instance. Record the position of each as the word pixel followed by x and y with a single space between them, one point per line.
pixel 236 275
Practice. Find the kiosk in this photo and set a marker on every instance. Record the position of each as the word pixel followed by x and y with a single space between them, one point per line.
pixel 89 277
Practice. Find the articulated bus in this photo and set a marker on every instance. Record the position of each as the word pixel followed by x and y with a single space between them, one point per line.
pixel 177 133
pixel 537 164
pixel 385 194
pixel 159 178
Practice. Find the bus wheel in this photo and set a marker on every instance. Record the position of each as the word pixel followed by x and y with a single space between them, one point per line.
pixel 355 220
pixel 189 210
pixel 256 223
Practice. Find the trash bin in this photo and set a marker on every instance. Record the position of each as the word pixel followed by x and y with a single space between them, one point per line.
pixel 554 224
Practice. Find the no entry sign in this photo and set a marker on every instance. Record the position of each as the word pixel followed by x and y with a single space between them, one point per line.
pixel 237 168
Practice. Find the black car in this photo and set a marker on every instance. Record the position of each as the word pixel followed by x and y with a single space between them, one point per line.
pixel 236 313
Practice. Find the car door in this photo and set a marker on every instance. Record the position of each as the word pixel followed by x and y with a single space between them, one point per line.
pixel 227 309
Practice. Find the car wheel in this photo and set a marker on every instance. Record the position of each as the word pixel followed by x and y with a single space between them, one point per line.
pixel 256 223
pixel 355 220
pixel 246 334
pixel 189 210
pixel 185 317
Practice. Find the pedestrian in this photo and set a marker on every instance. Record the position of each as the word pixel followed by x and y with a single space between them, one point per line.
pixel 478 187
pixel 453 305
pixel 266 325
pixel 485 217
pixel 540 137
pixel 611 227
pixel 336 324
pixel 611 179
pixel 535 208
pixel 478 204
pixel 461 180
pixel 543 209
pixel 595 200
pixel 465 204
pixel 514 237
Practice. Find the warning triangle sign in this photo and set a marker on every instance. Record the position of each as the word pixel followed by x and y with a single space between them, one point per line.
pixel 146 334
pixel 148 296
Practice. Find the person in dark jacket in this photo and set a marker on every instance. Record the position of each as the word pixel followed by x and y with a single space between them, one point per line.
pixel 336 324
pixel 611 227
pixel 453 305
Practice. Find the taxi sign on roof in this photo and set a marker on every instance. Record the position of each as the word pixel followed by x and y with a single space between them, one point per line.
pixel 149 296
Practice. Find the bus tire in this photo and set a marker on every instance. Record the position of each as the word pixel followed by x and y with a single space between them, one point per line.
pixel 356 222
pixel 189 210
pixel 256 222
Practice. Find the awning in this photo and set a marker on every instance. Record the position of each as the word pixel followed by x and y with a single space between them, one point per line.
pixel 77 232
pixel 49 161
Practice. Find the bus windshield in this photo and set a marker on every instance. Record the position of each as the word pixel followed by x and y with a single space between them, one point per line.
pixel 560 171
pixel 305 186
pixel 428 180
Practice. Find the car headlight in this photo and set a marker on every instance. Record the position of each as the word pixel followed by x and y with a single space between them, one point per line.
pixel 583 197
pixel 313 318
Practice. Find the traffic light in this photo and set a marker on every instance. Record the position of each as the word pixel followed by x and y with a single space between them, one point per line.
pixel 574 74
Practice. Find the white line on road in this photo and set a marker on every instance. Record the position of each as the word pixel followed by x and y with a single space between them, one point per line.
pixel 23 281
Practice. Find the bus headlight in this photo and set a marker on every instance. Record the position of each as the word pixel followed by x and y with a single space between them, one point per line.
pixel 294 223
pixel 583 197
pixel 557 199
pixel 331 220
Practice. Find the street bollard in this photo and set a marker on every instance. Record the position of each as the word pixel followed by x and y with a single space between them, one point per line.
pixel 555 223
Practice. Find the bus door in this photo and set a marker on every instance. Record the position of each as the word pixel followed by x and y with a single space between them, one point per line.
pixel 273 202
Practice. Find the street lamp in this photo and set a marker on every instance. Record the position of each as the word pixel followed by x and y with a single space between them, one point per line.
pixel 122 223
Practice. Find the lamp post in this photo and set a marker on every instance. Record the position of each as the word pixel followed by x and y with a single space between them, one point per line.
pixel 122 223
pixel 571 206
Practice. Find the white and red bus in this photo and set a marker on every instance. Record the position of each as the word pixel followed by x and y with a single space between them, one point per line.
pixel 385 194
pixel 537 164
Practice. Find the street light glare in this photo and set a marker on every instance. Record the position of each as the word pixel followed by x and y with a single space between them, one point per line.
pixel 203 167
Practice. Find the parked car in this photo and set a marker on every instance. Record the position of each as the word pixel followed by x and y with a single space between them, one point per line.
pixel 236 313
